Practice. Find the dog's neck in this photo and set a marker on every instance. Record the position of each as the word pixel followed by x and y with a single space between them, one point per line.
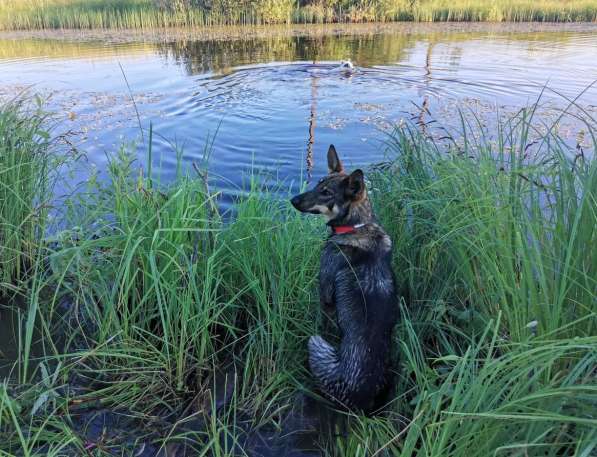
pixel 344 229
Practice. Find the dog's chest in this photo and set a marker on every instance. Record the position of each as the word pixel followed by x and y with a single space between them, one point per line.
pixel 348 266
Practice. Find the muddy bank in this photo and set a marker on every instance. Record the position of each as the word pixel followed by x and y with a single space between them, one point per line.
pixel 293 30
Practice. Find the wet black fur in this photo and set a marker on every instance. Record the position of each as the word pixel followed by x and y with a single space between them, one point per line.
pixel 355 279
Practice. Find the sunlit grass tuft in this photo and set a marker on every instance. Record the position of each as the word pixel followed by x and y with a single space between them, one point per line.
pixel 496 225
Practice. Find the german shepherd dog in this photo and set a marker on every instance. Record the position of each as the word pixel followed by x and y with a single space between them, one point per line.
pixel 356 280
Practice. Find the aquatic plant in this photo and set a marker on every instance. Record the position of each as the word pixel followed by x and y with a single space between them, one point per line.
pixel 152 304
pixel 24 183
pixel 89 14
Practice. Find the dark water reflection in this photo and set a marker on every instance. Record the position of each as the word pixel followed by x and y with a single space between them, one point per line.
pixel 220 56
pixel 277 101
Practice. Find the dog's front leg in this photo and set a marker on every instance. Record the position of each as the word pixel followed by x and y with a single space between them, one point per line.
pixel 327 284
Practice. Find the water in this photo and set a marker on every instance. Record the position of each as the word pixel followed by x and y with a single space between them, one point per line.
pixel 276 99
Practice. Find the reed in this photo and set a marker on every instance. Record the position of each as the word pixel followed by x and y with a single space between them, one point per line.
pixel 152 303
pixel 92 14
pixel 25 169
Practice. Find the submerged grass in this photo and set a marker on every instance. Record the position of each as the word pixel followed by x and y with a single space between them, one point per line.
pixel 91 14
pixel 151 305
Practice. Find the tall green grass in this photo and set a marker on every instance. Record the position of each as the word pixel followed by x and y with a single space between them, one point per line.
pixel 25 166
pixel 154 304
pixel 502 222
pixel 92 14
pixel 153 278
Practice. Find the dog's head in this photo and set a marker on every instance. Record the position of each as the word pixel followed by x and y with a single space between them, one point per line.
pixel 335 194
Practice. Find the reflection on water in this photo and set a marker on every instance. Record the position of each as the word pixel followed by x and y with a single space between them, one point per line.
pixel 312 122
pixel 277 101
pixel 199 57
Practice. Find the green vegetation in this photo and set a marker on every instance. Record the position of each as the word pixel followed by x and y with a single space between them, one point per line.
pixel 24 184
pixel 151 303
pixel 88 14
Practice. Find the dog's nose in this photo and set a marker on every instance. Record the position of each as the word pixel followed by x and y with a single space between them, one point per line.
pixel 295 201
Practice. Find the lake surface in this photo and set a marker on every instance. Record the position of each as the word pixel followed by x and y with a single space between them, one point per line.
pixel 273 100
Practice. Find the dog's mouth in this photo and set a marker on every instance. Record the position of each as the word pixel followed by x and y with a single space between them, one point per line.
pixel 307 210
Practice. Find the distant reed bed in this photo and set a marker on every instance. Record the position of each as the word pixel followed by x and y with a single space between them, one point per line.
pixel 118 14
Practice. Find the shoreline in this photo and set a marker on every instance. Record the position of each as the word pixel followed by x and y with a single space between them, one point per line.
pixel 233 32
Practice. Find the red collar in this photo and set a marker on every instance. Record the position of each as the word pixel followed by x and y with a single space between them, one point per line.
pixel 343 229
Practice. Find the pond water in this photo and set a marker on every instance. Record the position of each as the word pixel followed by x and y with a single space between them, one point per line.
pixel 273 100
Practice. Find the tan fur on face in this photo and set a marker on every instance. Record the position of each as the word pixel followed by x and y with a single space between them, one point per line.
pixel 325 211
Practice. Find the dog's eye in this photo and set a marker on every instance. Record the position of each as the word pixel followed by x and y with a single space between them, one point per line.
pixel 327 192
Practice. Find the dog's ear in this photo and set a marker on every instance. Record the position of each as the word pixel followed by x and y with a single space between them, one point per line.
pixel 356 185
pixel 334 164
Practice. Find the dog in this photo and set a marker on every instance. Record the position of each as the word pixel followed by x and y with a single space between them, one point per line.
pixel 347 67
pixel 356 281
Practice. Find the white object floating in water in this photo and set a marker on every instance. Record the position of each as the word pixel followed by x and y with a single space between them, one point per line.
pixel 347 65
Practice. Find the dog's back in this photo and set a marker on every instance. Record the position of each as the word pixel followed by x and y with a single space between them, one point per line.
pixel 356 279
pixel 365 298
